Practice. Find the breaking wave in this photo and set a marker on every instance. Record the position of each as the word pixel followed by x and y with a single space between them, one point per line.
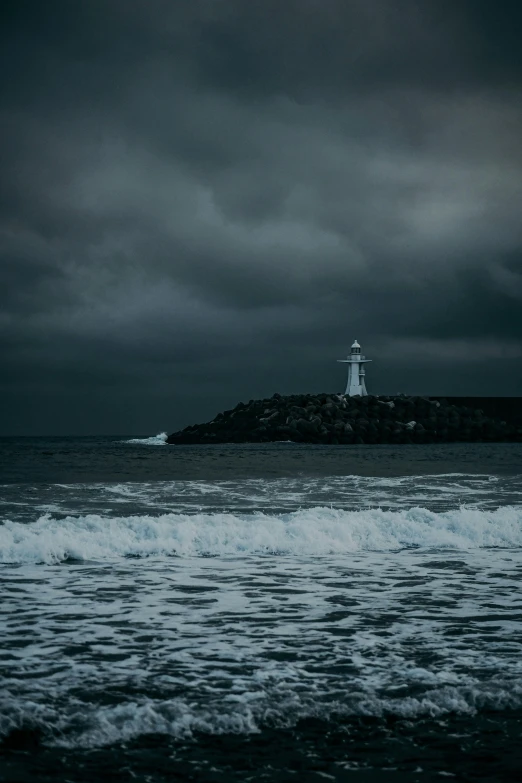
pixel 156 440
pixel 89 725
pixel 310 532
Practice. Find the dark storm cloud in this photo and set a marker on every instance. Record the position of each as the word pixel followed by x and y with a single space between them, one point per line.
pixel 222 194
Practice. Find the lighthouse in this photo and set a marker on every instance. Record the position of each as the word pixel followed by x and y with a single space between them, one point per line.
pixel 355 362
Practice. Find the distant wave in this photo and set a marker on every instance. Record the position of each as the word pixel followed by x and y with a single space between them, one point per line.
pixel 310 532
pixel 155 440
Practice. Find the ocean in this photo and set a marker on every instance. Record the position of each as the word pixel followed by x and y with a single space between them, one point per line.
pixel 275 612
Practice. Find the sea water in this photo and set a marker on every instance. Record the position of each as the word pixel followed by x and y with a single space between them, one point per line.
pixel 274 612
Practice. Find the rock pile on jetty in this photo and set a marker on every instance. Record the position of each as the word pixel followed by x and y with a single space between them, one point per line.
pixel 335 418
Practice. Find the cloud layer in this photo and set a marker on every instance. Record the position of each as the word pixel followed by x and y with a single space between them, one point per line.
pixel 207 201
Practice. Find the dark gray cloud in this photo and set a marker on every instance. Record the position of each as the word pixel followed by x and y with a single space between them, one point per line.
pixel 206 201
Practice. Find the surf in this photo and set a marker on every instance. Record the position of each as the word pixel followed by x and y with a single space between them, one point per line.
pixel 310 532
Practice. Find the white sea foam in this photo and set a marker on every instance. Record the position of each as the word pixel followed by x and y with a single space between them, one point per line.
pixel 235 644
pixel 84 725
pixel 324 597
pixel 156 440
pixel 438 493
pixel 309 532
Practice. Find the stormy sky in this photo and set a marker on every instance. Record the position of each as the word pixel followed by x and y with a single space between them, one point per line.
pixel 204 201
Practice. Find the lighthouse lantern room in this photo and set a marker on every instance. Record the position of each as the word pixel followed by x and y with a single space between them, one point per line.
pixel 356 384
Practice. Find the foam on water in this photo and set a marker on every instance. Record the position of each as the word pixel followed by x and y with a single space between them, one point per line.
pixel 155 440
pixel 310 532
pixel 87 726
pixel 103 652
pixel 323 598
pixel 27 502
pixel 191 675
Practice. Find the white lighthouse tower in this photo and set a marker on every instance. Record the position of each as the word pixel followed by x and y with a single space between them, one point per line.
pixel 356 362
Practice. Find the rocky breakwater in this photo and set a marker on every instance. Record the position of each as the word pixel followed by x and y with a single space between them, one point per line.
pixel 335 419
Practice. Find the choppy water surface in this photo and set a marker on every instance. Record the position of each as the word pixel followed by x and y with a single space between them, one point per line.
pixel 257 628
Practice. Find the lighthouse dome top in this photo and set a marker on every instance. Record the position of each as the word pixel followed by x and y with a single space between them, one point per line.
pixel 355 344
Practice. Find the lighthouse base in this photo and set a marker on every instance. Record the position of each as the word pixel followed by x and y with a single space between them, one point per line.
pixel 356 386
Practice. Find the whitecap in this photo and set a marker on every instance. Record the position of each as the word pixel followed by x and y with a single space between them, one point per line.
pixel 156 440
pixel 314 531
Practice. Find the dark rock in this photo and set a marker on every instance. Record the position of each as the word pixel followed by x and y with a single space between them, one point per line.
pixel 305 426
pixel 270 416
pixel 323 418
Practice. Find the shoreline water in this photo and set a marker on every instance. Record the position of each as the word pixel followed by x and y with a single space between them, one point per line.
pixel 113 459
pixel 263 612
